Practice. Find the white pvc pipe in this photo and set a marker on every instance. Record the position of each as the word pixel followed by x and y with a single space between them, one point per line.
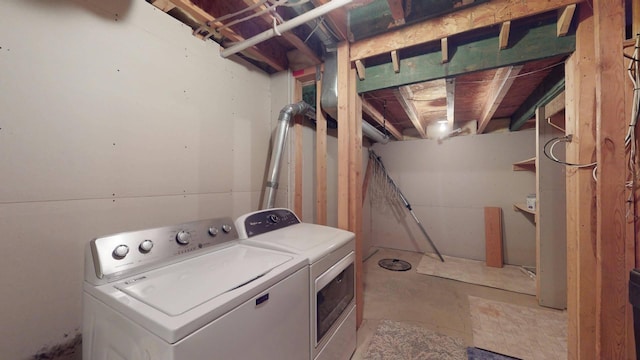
pixel 284 27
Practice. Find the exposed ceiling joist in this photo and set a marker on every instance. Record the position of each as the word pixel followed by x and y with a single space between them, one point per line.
pixel 337 19
pixel 404 96
pixel 551 86
pixel 260 52
pixel 290 37
pixel 164 5
pixel 368 109
pixel 564 20
pixel 534 43
pixel 500 85
pixel 472 18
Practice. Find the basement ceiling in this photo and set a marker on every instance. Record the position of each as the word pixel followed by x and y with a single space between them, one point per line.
pixel 425 67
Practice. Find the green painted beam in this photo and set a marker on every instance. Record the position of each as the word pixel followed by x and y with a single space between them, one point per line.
pixel 529 44
pixel 549 88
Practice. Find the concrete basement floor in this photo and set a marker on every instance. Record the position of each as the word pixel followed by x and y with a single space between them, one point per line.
pixel 438 304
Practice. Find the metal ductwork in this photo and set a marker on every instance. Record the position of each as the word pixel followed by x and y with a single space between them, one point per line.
pixel 284 120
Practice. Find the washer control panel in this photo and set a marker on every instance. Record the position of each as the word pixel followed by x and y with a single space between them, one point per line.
pixel 261 222
pixel 117 255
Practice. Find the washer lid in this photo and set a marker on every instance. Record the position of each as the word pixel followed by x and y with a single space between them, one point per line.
pixel 313 241
pixel 177 288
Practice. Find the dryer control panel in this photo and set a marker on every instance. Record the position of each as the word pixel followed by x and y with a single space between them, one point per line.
pixel 263 221
pixel 119 255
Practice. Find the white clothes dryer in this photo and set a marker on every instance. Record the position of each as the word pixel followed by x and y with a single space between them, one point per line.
pixel 331 255
pixel 193 292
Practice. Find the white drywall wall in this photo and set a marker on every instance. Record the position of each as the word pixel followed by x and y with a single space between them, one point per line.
pixel 449 183
pixel 114 118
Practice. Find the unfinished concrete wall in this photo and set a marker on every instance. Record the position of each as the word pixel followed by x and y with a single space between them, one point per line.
pixel 449 183
pixel 114 118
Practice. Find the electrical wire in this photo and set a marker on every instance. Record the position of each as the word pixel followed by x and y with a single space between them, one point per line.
pixel 551 156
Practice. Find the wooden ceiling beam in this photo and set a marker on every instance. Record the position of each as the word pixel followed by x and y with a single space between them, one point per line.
pixel 534 43
pixel 564 20
pixel 260 52
pixel 483 15
pixel 500 85
pixel 551 86
pixel 368 109
pixel 404 96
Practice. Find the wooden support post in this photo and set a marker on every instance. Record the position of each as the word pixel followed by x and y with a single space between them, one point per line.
pixel 344 66
pixel 297 130
pixel 355 188
pixel 493 236
pixel 581 207
pixel 611 268
pixel 321 160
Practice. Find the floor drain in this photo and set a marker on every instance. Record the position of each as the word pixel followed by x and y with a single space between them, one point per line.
pixel 394 264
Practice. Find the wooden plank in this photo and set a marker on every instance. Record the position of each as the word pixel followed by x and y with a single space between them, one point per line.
pixel 397 12
pixel 581 230
pixel 164 5
pixel 493 236
pixel 377 117
pixel 557 121
pixel 360 69
pixel 556 105
pixel 355 189
pixel 635 11
pixel 564 20
pixel 321 159
pixel 503 39
pixel 551 245
pixel 395 61
pixel 451 105
pixel 261 52
pixel 551 86
pixel 444 49
pixel 365 181
pixel 298 156
pixel 483 15
pixel 474 55
pixel 525 165
pixel 611 268
pixel 307 75
pixel 500 85
pixel 344 66
pixel 404 96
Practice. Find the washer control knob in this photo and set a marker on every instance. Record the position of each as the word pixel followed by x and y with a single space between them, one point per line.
pixel 273 218
pixel 183 237
pixel 226 228
pixel 145 246
pixel 120 252
pixel 213 231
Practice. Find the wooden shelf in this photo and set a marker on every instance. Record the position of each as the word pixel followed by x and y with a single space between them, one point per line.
pixel 523 207
pixel 525 165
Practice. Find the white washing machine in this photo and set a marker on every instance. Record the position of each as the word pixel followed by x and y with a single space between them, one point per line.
pixel 331 284
pixel 191 292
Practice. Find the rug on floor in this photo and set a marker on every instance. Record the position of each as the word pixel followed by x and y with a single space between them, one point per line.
pixel 509 277
pixel 395 340
pixel 519 331
pixel 480 354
